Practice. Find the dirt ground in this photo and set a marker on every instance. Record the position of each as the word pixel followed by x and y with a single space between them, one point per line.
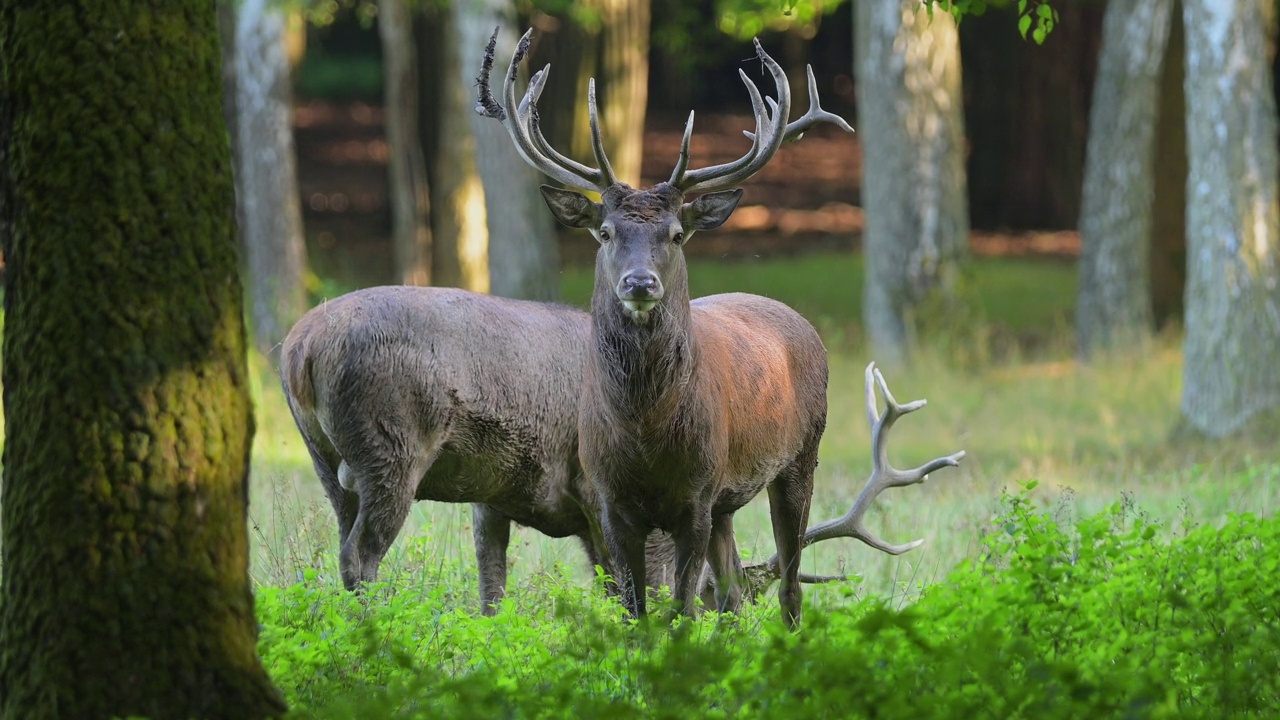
pixel 806 199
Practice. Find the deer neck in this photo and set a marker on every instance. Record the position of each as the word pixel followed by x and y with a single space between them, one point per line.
pixel 643 369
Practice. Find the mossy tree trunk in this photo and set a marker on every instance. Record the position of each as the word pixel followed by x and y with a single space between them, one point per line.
pixel 916 238
pixel 1233 219
pixel 1113 310
pixel 125 550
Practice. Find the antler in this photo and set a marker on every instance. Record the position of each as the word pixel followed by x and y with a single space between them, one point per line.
pixel 772 130
pixel 883 476
pixel 524 127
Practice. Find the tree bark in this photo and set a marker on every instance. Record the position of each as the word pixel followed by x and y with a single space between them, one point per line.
pixel 266 177
pixel 125 550
pixel 459 221
pixel 410 194
pixel 624 84
pixel 607 40
pixel 1233 218
pixel 1113 308
pixel 523 257
pixel 909 117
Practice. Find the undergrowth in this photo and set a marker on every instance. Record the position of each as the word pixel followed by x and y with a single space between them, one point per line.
pixel 1108 615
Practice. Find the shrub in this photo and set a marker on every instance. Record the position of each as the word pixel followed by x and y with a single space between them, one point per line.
pixel 1103 617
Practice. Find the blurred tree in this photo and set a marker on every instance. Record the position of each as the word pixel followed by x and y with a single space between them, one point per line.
pixel 125 552
pixel 266 175
pixel 459 223
pixel 1026 114
pixel 523 258
pixel 410 195
pixel 1113 309
pixel 1233 220
pixel 916 236
pixel 607 40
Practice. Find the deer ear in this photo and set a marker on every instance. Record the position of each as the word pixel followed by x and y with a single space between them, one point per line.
pixel 709 211
pixel 573 209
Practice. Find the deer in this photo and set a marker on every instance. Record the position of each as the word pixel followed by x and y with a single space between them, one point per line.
pixel 407 393
pixel 689 408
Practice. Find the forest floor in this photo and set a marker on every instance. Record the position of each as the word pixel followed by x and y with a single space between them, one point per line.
pixel 807 199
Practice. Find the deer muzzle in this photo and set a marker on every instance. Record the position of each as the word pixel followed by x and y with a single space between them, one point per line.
pixel 639 291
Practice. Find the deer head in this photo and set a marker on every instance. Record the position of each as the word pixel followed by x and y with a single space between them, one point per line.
pixel 642 232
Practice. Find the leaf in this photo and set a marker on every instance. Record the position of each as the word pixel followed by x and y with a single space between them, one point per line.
pixel 1038 34
pixel 1024 24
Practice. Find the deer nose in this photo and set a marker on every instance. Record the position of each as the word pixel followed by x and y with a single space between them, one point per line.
pixel 641 286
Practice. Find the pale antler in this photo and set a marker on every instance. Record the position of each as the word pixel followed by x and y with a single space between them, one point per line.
pixel 883 477
pixel 772 130
pixel 521 121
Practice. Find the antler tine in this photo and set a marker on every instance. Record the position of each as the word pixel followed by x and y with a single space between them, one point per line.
pixel 529 117
pixel 682 162
pixel 597 143
pixel 795 130
pixel 519 117
pixel 679 178
pixel 883 475
pixel 762 150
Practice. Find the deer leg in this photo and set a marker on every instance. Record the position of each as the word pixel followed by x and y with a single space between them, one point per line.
pixel 691 556
pixel 626 549
pixel 492 532
pixel 725 564
pixel 789 497
pixel 385 498
pixel 326 461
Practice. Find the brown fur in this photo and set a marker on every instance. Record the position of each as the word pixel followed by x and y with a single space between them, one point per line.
pixel 691 409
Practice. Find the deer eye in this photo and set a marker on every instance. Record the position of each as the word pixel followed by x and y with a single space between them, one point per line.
pixel 677 237
pixel 604 234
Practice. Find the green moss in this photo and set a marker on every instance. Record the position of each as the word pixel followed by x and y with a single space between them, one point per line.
pixel 125 378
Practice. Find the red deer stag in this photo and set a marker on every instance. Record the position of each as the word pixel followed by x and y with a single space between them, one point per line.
pixel 688 409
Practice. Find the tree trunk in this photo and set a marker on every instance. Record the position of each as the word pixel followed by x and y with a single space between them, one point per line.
pixel 410 194
pixel 1233 217
pixel 266 177
pixel 523 257
pixel 125 551
pixel 1113 308
pixel 909 117
pixel 624 84
pixel 607 40
pixel 1169 209
pixel 459 222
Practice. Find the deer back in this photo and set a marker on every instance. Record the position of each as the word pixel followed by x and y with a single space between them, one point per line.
pixel 494 382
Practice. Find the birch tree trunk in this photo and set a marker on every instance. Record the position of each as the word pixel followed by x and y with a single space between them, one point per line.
pixel 909 118
pixel 1113 308
pixel 459 219
pixel 266 175
pixel 410 194
pixel 523 257
pixel 1233 219
pixel 126 393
